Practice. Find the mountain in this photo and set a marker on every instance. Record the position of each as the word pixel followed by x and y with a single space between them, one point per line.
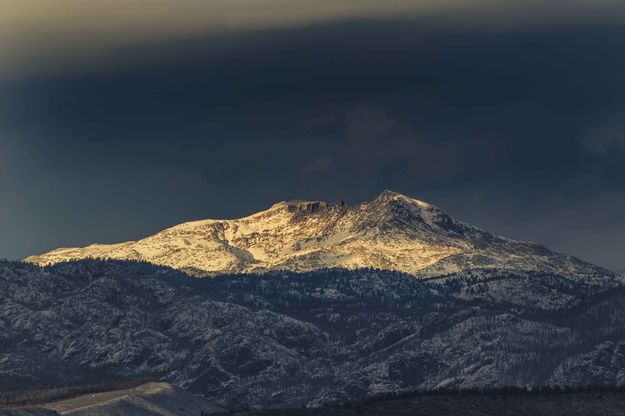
pixel 392 232
pixel 314 303
pixel 285 339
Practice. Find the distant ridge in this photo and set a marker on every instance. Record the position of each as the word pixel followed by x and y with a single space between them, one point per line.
pixel 392 232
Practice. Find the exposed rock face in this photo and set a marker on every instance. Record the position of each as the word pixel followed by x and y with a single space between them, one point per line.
pixel 392 232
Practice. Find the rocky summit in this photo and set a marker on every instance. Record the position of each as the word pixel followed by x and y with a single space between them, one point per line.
pixel 391 232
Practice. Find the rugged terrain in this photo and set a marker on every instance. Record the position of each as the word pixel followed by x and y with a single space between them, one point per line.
pixel 312 304
pixel 283 339
pixel 392 232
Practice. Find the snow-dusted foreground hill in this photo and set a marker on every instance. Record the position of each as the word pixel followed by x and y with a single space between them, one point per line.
pixel 287 339
pixel 392 232
pixel 150 399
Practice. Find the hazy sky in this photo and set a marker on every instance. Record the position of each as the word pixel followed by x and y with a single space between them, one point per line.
pixel 119 118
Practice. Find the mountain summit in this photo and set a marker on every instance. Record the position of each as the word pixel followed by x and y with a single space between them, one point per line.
pixel 393 232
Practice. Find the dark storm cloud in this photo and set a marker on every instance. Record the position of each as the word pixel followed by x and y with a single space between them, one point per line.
pixel 49 37
pixel 515 129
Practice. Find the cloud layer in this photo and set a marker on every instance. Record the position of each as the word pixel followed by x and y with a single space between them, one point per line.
pixel 120 118
pixel 39 37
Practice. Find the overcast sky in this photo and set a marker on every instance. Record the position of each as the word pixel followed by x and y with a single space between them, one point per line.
pixel 119 118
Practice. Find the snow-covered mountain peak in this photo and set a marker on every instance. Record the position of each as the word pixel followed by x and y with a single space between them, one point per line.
pixel 388 196
pixel 392 231
pixel 393 210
